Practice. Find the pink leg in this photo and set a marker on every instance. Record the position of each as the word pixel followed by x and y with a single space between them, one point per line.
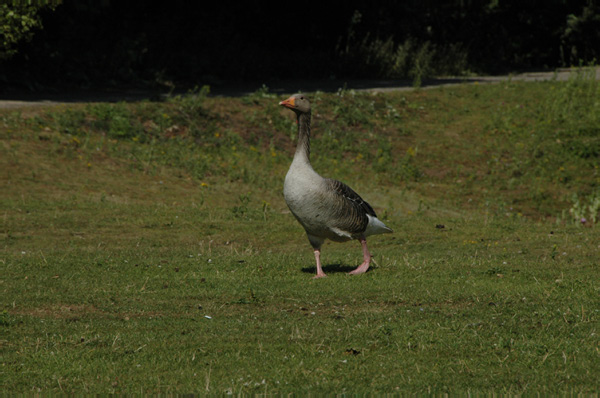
pixel 320 273
pixel 361 269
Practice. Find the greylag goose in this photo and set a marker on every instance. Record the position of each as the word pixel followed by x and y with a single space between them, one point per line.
pixel 326 208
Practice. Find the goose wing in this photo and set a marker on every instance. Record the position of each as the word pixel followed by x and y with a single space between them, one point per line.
pixel 349 210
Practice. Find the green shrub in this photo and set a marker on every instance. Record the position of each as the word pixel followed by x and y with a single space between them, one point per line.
pixel 115 120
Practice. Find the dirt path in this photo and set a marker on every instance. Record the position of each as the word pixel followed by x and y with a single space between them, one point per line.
pixel 29 99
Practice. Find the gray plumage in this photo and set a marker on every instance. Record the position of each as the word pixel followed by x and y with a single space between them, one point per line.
pixel 326 208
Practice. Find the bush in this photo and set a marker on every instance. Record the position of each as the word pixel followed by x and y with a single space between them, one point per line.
pixel 413 58
pixel 18 23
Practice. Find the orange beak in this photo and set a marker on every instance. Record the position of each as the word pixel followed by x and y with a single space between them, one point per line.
pixel 289 103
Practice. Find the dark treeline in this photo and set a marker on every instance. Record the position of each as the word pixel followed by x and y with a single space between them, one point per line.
pixel 134 43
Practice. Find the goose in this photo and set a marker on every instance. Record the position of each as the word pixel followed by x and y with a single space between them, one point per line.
pixel 326 208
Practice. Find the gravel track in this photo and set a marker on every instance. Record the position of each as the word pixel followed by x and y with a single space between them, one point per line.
pixel 16 100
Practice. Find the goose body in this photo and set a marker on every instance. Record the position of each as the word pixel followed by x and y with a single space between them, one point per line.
pixel 326 208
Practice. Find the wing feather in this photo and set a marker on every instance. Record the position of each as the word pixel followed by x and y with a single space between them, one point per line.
pixel 350 212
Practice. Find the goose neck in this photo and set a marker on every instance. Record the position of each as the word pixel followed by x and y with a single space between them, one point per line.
pixel 303 148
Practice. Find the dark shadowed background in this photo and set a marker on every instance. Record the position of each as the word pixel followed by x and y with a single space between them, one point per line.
pixel 88 44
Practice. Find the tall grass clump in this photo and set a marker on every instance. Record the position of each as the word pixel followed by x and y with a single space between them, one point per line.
pixel 116 120
pixel 69 121
pixel 353 108
pixel 189 110
pixel 389 58
pixel 584 210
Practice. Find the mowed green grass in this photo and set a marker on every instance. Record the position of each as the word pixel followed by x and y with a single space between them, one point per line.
pixel 161 258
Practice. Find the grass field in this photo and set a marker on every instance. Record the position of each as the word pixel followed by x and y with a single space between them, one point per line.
pixel 147 247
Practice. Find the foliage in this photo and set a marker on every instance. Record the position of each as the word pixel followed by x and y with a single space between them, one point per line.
pixel 581 35
pixel 18 23
pixel 386 58
pixel 408 40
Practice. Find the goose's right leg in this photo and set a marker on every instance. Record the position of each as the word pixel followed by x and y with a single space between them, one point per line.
pixel 361 269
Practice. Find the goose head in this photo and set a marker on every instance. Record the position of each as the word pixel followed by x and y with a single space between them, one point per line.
pixel 298 103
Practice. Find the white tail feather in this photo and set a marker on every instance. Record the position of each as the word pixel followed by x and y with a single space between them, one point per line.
pixel 376 226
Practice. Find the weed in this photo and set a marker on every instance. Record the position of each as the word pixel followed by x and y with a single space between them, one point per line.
pixel 494 271
pixel 190 108
pixel 69 121
pixel 585 210
pixel 258 96
pixel 353 108
pixel 422 63
pixel 554 252
pixel 266 209
pixel 115 120
pixel 5 320
pixel 241 211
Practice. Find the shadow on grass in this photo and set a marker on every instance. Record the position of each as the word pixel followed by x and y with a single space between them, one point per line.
pixel 330 269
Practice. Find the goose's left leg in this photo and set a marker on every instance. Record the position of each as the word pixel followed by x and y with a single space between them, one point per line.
pixel 361 269
pixel 320 273
pixel 316 243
